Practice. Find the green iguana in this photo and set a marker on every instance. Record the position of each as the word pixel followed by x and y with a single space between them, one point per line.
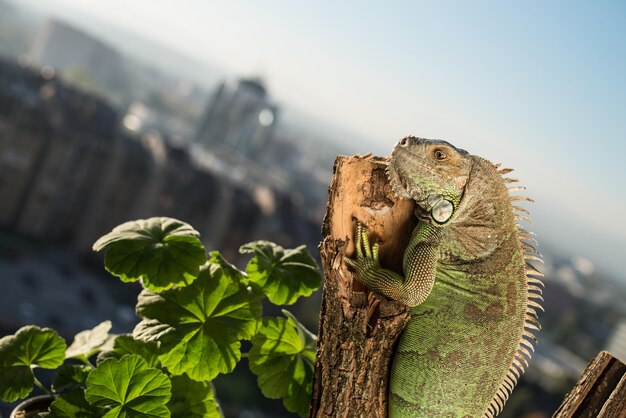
pixel 472 293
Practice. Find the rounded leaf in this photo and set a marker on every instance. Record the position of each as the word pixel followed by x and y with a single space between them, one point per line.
pixel 72 404
pixel 200 326
pixel 283 275
pixel 30 347
pixel 70 376
pixel 191 399
pixel 163 252
pixel 129 388
pixel 89 342
pixel 126 344
pixel 282 357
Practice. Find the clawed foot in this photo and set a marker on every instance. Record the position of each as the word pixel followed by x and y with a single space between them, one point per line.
pixel 366 255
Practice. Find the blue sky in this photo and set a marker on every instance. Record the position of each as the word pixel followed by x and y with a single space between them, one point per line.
pixel 539 86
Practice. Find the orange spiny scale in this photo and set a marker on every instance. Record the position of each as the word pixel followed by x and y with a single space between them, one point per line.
pixel 521 209
pixel 535 280
pixel 530 336
pixel 532 323
pixel 532 252
pixel 503 171
pixel 490 413
pixel 516 372
pixel 516 189
pixel 520 199
pixel 534 269
pixel 510 385
pixel 528 239
pixel 531 311
pixel 510 180
pixel 521 360
pixel 504 394
pixel 498 404
pixel 511 379
pixel 535 304
pixel 525 352
pixel 528 344
pixel 534 288
pixel 533 258
pixel 528 246
pixel 524 237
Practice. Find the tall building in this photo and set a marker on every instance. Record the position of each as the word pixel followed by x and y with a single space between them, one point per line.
pixel 54 143
pixel 66 48
pixel 240 117
pixel 617 342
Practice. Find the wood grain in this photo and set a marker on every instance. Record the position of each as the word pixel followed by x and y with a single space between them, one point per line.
pixel 358 329
pixel 599 393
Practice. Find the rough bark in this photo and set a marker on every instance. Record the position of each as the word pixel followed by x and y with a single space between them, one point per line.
pixel 600 392
pixel 358 329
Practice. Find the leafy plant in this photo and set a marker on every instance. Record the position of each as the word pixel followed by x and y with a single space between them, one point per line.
pixel 195 311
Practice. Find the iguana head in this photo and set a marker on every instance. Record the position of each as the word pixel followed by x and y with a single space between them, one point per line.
pixel 431 172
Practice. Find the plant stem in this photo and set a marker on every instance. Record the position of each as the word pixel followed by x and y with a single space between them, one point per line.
pixel 42 387
pixel 87 362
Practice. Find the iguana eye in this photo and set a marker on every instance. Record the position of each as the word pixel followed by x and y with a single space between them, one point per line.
pixel 440 154
pixel 404 142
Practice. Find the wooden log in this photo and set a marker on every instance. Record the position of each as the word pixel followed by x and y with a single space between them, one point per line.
pixel 358 329
pixel 600 392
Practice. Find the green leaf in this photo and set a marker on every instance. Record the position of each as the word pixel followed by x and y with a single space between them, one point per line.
pixel 191 399
pixel 163 252
pixel 89 342
pixel 73 404
pixel 283 275
pixel 151 330
pixel 282 358
pixel 200 326
pixel 129 388
pixel 70 376
pixel 30 347
pixel 229 269
pixel 126 344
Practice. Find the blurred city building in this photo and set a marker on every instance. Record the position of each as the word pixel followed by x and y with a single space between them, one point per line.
pixel 82 58
pixel 70 174
pixel 617 342
pixel 54 141
pixel 239 118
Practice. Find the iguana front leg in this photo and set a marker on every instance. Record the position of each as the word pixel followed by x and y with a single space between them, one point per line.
pixel 419 265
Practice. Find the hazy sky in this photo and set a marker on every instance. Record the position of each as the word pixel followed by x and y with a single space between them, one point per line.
pixel 539 86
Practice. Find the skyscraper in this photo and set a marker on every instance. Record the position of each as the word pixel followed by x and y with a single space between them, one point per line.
pixel 617 342
pixel 68 49
pixel 240 117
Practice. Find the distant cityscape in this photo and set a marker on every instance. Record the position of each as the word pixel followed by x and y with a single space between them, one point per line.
pixel 90 138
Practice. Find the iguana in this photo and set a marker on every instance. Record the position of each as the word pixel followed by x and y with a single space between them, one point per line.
pixel 472 293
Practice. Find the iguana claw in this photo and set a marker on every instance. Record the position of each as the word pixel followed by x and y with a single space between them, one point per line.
pixel 366 254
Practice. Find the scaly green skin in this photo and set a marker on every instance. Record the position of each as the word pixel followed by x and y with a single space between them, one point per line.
pixel 465 280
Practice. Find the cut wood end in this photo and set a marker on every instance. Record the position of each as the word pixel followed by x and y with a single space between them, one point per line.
pixel 360 190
